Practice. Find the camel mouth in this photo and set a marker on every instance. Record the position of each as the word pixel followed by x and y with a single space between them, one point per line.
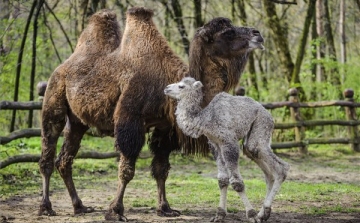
pixel 256 45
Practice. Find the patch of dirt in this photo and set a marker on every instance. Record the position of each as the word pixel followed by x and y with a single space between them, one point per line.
pixel 24 209
pixel 19 209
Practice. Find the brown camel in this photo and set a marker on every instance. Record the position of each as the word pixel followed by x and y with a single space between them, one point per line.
pixel 121 93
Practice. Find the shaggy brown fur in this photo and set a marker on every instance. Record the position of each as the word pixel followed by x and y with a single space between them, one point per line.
pixel 121 93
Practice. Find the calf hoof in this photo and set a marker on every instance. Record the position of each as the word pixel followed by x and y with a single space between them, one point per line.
pixel 220 215
pixel 267 212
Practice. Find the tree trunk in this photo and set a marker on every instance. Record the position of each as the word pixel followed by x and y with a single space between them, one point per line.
pixel 333 77
pixel 313 93
pixel 18 64
pixel 180 24
pixel 198 16
pixel 33 61
pixel 251 62
pixel 279 38
pixel 301 49
pixel 320 15
pixel 342 37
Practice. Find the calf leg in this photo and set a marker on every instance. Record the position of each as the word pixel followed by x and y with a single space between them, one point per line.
pixel 223 182
pixel 73 133
pixel 230 152
pixel 162 142
pixel 275 169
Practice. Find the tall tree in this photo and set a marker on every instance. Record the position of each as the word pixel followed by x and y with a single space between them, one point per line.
pixel 280 39
pixel 19 61
pixel 320 17
pixel 198 16
pixel 251 63
pixel 33 61
pixel 342 36
pixel 301 47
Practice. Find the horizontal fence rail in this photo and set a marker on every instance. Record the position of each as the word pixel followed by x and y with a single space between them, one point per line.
pixel 299 125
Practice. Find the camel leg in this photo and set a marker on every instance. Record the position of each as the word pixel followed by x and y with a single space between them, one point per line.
pixel 130 137
pixel 161 145
pixel 230 152
pixel 73 133
pixel 53 121
pixel 275 171
pixel 223 182
pixel 274 168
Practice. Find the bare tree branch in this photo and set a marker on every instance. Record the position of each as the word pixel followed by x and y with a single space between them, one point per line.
pixel 61 27
pixel 284 2
pixel 19 61
pixel 51 36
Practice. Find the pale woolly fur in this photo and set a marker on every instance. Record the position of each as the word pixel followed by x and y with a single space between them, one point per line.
pixel 225 121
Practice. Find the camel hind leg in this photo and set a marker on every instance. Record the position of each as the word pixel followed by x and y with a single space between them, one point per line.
pixel 257 147
pixel 73 133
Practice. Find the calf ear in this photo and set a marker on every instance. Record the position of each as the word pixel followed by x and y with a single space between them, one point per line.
pixel 198 84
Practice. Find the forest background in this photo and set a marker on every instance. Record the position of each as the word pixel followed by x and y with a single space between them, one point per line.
pixel 313 45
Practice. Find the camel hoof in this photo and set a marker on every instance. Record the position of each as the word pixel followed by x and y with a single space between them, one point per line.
pixel 46 210
pixel 220 215
pixel 267 212
pixel 168 213
pixel 112 216
pixel 83 210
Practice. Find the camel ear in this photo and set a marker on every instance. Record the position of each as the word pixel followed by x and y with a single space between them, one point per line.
pixel 203 34
pixel 197 84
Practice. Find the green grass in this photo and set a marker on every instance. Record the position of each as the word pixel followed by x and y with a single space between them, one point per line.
pixel 192 180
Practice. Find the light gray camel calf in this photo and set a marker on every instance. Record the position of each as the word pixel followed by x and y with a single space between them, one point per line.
pixel 224 121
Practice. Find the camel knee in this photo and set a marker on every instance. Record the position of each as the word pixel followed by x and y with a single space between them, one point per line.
pixel 238 186
pixel 63 165
pixel 46 166
pixel 223 182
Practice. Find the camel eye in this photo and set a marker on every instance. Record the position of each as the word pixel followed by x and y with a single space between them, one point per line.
pixel 181 86
pixel 229 34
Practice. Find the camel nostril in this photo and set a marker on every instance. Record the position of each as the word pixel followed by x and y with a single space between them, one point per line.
pixel 256 32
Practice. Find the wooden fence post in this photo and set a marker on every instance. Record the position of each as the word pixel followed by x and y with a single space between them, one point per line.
pixel 295 115
pixel 351 115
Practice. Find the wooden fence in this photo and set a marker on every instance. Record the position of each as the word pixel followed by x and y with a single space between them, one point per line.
pixel 299 125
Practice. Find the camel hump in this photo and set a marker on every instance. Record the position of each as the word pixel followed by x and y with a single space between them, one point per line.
pixel 104 14
pixel 140 12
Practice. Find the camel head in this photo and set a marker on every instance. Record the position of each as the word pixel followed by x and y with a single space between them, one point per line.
pixel 183 88
pixel 218 54
pixel 222 39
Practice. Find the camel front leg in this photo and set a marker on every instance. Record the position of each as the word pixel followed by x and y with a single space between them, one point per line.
pixel 230 152
pixel 130 137
pixel 126 174
pixel 223 182
pixel 53 119
pixel 161 145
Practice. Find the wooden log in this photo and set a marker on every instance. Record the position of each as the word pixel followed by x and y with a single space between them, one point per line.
pixel 24 133
pixel 312 123
pixel 15 105
pixel 26 158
